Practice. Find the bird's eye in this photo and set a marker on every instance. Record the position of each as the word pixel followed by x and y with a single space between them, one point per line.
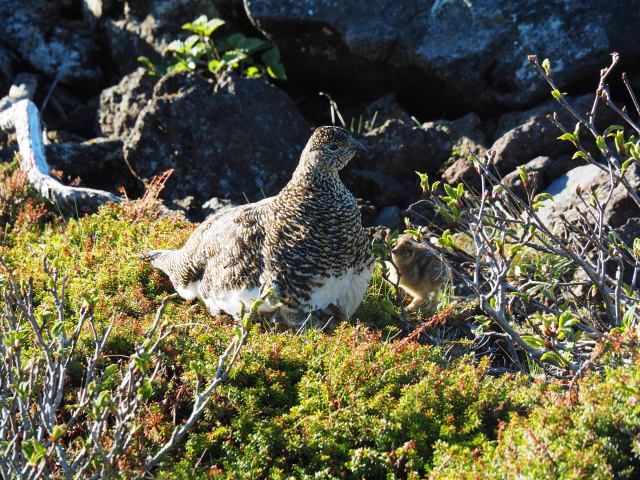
pixel 333 147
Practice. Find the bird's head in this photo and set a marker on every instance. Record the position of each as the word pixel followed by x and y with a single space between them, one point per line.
pixel 330 148
pixel 404 251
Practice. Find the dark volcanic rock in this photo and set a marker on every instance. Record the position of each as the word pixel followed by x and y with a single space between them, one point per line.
pixel 142 27
pixel 390 217
pixel 7 71
pixel 98 163
pixel 630 231
pixel 121 104
pixel 462 52
pixel 522 136
pixel 462 171
pixel 241 142
pixel 381 189
pixel 466 134
pixel 59 48
pixel 383 109
pixel 398 150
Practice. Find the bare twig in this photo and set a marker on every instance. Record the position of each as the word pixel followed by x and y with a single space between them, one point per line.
pixel 18 111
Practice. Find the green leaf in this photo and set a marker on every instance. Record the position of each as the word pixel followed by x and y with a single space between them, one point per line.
pixel 103 401
pixel 252 72
pixel 379 250
pixel 611 129
pixel 618 140
pixel 566 320
pixel 451 192
pixel 233 42
pixel 576 131
pixel 541 197
pixel 33 451
pixel 388 306
pixel 556 94
pixel 197 26
pixel 176 46
pixel 277 71
pixel 546 66
pixel 414 233
pixel 424 181
pixel 234 57
pixel 271 56
pixel 568 136
pixel 149 64
pixel 252 44
pixel 629 315
pixel 190 42
pixel 515 249
pixel 58 432
pixel 553 357
pixel 215 66
pixel 256 305
pixel 533 341
pixel 145 390
pixel 580 154
pixel 212 25
pixel 110 371
pixel 522 172
pixel 600 144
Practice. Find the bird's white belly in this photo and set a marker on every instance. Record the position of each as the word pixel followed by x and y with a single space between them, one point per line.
pixel 346 291
pixel 231 301
pixel 189 292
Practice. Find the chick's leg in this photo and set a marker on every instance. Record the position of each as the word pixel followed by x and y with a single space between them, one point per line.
pixel 415 303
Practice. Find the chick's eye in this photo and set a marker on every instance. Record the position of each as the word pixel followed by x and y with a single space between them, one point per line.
pixel 332 147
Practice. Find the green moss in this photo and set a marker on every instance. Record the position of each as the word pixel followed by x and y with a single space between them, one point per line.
pixel 353 404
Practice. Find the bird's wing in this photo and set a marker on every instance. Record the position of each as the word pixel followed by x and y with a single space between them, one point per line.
pixel 228 249
pixel 214 243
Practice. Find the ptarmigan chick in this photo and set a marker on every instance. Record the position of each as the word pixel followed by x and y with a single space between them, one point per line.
pixel 422 273
pixel 302 251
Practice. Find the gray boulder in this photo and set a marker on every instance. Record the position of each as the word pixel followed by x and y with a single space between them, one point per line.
pixel 121 104
pixel 568 198
pixel 460 52
pixel 523 136
pixel 240 142
pixel 541 171
pixel 38 33
pixel 466 133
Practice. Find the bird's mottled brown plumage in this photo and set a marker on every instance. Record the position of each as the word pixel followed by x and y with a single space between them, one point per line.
pixel 306 245
pixel 422 273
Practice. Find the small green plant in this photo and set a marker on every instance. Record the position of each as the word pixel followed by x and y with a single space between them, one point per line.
pixel 252 57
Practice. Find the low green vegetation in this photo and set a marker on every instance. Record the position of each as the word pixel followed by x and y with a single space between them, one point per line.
pixel 205 51
pixel 362 402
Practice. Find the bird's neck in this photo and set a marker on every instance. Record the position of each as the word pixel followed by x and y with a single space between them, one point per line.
pixel 314 175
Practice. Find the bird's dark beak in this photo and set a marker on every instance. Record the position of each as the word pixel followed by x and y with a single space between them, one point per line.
pixel 360 146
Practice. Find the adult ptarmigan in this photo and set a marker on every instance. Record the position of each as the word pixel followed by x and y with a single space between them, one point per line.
pixel 302 251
